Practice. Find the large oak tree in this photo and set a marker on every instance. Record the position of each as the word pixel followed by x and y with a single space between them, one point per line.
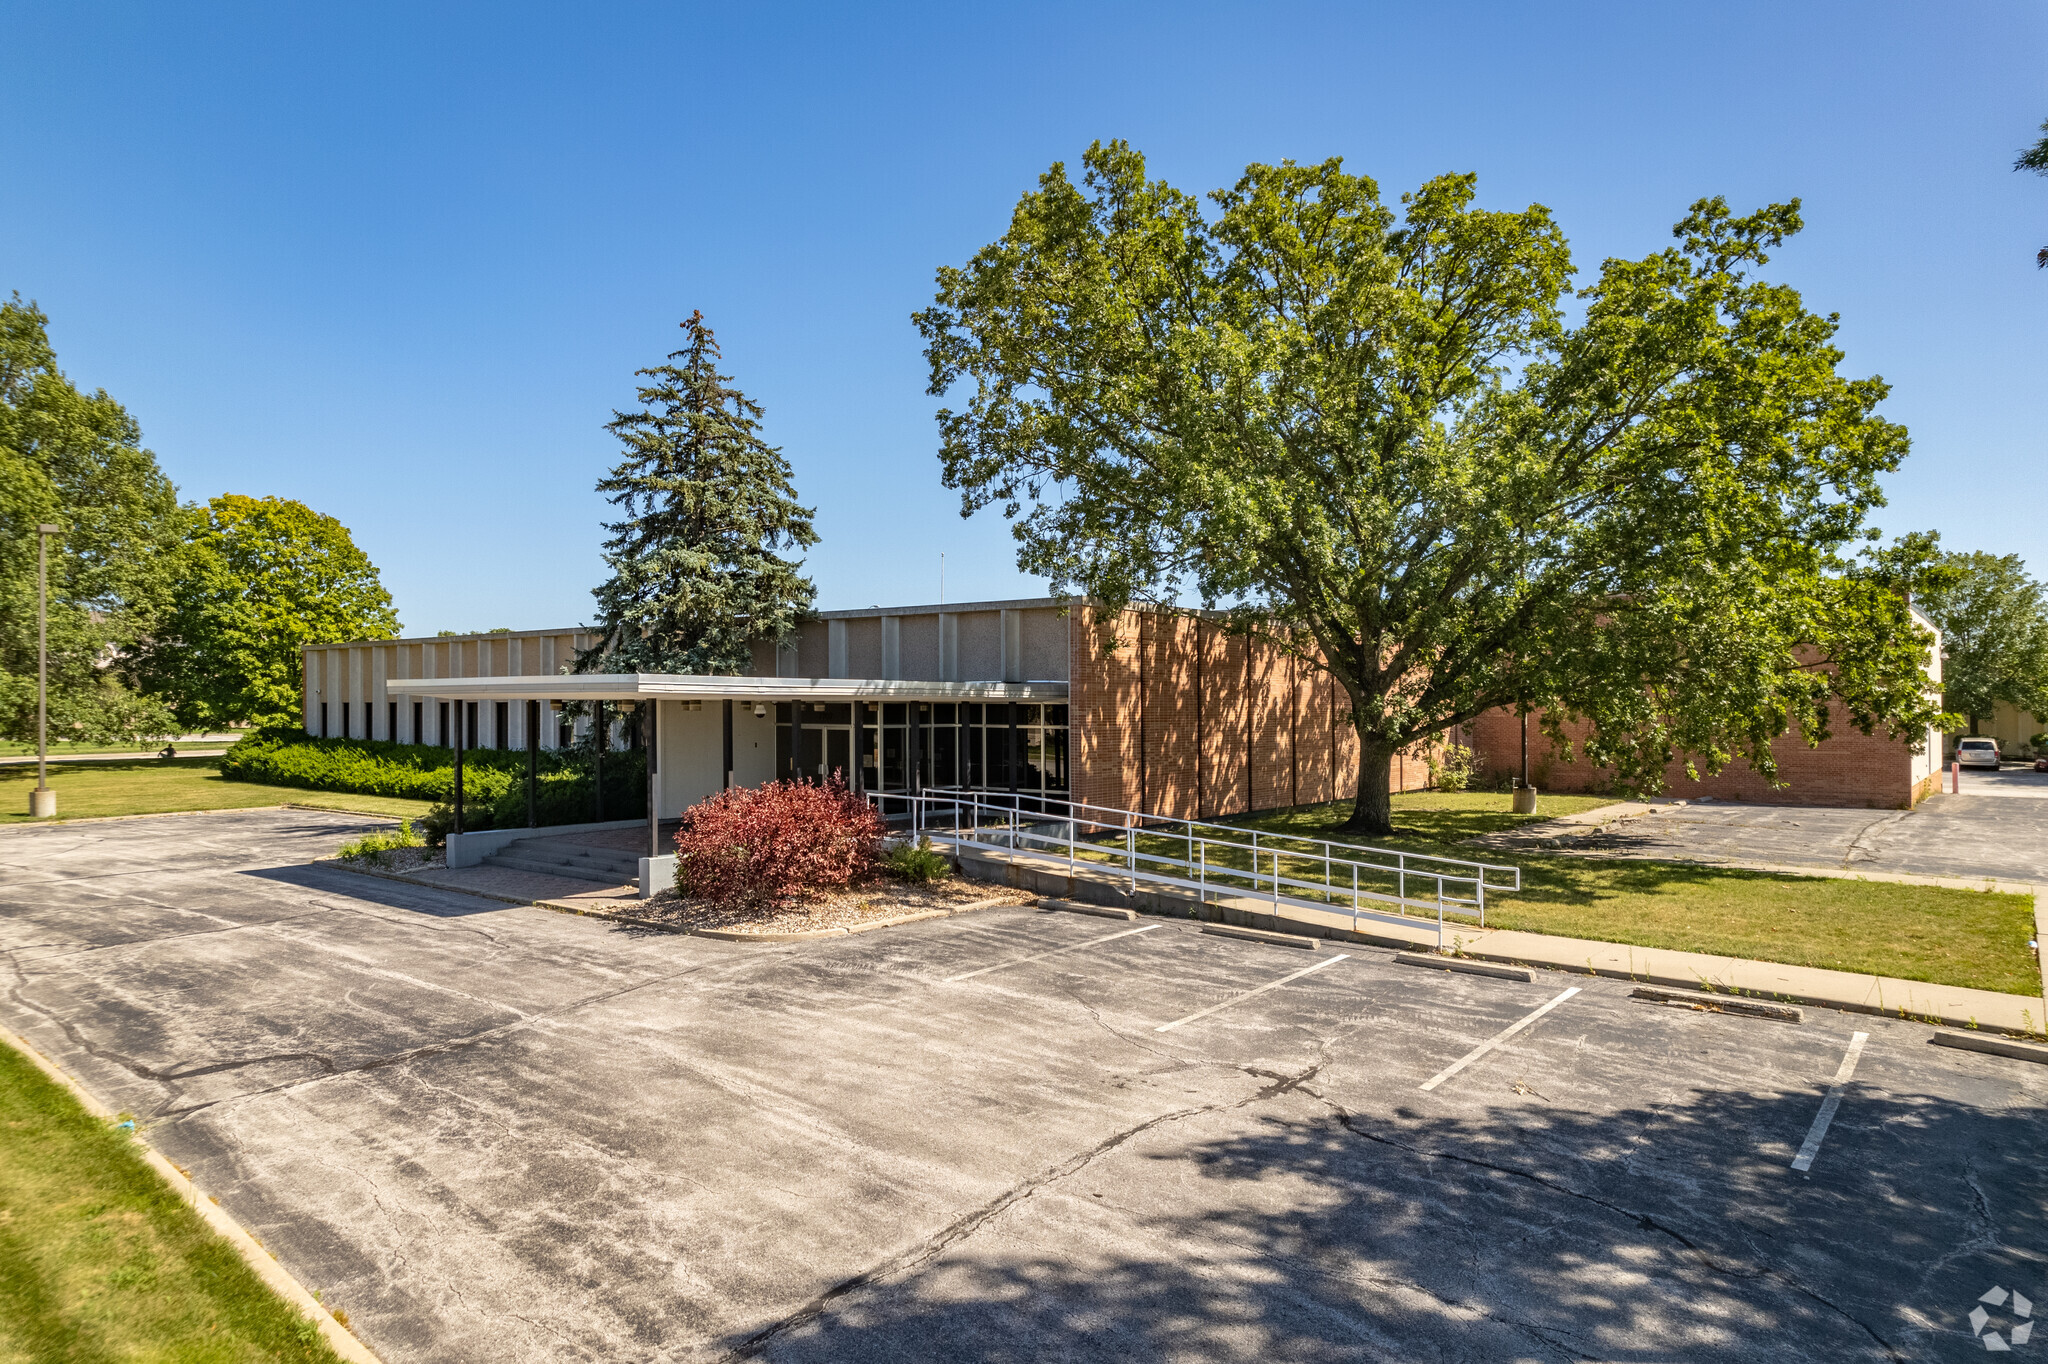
pixel 1398 445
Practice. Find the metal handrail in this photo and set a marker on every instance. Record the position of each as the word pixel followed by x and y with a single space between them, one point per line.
pixel 1150 821
pixel 1191 866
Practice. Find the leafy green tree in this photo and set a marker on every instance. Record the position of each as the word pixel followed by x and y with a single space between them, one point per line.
pixel 2035 159
pixel 696 563
pixel 260 578
pixel 1994 634
pixel 75 460
pixel 1384 443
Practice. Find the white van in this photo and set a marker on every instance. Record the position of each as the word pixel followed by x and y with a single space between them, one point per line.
pixel 1977 753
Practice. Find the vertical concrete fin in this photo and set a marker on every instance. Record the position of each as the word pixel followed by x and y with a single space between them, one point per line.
pixel 835 648
pixel 949 647
pixel 1013 645
pixel 892 648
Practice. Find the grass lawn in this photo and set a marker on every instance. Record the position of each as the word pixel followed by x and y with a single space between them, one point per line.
pixel 1953 937
pixel 100 1260
pixel 150 786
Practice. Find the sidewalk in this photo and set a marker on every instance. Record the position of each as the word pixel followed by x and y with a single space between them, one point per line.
pixel 1953 1005
pixel 60 759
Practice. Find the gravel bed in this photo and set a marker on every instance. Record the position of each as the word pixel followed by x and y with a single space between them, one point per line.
pixel 880 899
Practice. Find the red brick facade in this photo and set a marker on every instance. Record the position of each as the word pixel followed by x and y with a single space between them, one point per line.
pixel 1185 720
pixel 1848 769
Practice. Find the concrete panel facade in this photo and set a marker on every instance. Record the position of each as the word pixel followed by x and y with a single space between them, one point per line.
pixel 355 674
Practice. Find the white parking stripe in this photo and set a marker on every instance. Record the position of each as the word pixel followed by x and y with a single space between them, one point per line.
pixel 1503 1035
pixel 1239 999
pixel 1843 1073
pixel 1039 956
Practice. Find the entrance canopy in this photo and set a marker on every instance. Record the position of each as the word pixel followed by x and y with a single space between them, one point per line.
pixel 691 686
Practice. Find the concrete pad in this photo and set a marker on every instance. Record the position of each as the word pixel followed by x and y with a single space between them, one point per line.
pixel 1099 911
pixel 1261 935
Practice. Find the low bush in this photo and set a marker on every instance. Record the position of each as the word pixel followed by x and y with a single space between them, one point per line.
pixel 921 862
pixel 763 847
pixel 493 780
pixel 374 846
pixel 1451 768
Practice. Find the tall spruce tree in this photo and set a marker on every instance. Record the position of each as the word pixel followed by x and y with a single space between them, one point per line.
pixel 697 566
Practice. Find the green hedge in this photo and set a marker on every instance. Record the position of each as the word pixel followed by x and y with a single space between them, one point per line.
pixel 493 780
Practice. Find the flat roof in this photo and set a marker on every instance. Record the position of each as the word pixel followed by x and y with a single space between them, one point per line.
pixel 674 686
pixel 946 608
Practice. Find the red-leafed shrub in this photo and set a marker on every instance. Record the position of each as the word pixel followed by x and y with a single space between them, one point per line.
pixel 760 847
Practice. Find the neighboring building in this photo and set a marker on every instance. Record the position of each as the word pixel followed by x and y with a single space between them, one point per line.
pixel 1182 719
pixel 1849 768
pixel 2012 727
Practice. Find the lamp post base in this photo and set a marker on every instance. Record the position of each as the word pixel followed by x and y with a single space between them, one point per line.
pixel 1525 800
pixel 42 804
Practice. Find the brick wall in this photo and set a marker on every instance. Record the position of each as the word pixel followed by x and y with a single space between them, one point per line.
pixel 1848 769
pixel 1185 720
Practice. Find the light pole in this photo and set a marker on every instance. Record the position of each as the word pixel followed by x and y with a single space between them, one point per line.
pixel 42 802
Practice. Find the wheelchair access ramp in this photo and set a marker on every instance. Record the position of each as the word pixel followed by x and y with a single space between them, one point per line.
pixel 1215 863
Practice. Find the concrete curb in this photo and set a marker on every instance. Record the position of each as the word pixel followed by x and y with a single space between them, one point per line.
pixel 274 1275
pixel 583 912
pixel 1993 1044
pixel 741 935
pixel 1473 968
pixel 1713 1003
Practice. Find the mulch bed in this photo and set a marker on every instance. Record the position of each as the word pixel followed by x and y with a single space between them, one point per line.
pixel 849 908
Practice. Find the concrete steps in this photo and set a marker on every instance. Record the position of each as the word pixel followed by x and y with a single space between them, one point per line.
pixel 561 857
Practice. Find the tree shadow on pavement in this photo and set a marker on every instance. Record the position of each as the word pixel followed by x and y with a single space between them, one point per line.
pixel 1651 1234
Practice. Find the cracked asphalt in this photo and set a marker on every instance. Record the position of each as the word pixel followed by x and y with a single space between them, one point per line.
pixel 500 1133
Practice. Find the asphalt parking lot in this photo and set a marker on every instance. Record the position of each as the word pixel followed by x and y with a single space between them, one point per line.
pixel 499 1133
pixel 1997 827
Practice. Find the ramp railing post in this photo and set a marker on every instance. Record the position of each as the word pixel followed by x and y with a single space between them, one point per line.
pixel 1439 913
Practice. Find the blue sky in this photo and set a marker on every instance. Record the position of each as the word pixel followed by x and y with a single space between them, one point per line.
pixel 401 262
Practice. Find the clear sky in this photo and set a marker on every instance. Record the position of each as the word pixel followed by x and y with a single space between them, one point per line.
pixel 400 262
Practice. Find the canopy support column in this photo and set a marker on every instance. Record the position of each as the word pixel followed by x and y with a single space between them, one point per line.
pixel 532 761
pixel 458 767
pixel 648 732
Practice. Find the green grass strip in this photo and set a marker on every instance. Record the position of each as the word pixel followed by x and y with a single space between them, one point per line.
pixel 100 1260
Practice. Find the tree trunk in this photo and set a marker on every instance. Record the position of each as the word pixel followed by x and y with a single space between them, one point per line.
pixel 1973 726
pixel 1373 812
